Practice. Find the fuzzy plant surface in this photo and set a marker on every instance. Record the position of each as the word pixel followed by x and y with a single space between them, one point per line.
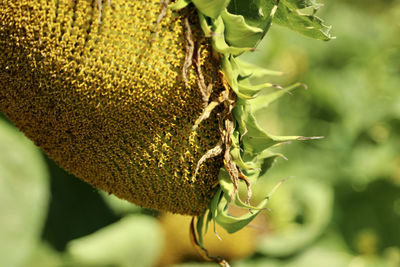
pixel 147 99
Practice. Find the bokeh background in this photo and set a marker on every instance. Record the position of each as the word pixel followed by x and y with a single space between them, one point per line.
pixel 341 208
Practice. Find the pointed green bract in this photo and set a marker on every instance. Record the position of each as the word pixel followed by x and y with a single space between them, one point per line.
pixel 211 8
pixel 237 26
pixel 256 12
pixel 180 4
pixel 289 14
pixel 238 32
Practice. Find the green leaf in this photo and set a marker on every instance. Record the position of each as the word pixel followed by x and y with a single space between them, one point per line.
pixel 44 255
pixel 180 4
pixel 315 200
pixel 300 4
pixel 200 228
pixel 211 8
pixel 196 264
pixel 118 205
pixel 135 240
pixel 256 140
pixel 230 223
pixel 255 12
pixel 228 189
pixel 238 32
pixel 24 192
pixel 236 153
pixel 207 29
pixel 219 41
pixel 263 101
pixel 290 16
pixel 254 71
pixel 219 207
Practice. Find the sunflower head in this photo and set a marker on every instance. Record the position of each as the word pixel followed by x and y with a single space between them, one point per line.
pixel 148 99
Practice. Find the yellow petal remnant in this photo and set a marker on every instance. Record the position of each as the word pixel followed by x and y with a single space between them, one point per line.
pixel 106 99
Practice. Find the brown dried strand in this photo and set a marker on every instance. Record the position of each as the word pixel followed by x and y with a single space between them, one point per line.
pixel 244 133
pixel 100 7
pixel 213 152
pixel 230 166
pixel 248 185
pixel 228 129
pixel 164 4
pixel 163 13
pixel 205 114
pixel 205 90
pixel 223 97
pixel 202 251
pixel 189 51
pixel 227 126
pixel 217 150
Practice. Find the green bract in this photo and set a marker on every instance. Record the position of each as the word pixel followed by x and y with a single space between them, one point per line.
pixel 237 26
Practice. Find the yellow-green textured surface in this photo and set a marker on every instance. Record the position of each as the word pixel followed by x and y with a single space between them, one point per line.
pixel 107 100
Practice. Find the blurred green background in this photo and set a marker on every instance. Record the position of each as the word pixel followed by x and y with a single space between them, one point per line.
pixel 342 208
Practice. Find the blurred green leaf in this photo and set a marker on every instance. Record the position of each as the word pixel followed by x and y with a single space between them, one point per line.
pixel 314 201
pixel 318 255
pixel 119 206
pixel 135 240
pixel 76 209
pixel 369 217
pixel 45 256
pixel 196 264
pixel 23 196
